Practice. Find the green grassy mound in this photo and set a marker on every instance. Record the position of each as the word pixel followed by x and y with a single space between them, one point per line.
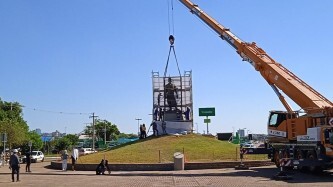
pixel 197 148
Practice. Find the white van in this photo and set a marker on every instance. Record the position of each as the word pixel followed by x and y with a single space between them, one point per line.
pixel 85 151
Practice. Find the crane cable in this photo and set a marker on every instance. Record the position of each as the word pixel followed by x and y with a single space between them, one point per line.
pixel 171 38
pixel 172 20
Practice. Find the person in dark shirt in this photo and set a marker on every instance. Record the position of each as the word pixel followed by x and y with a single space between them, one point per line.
pixel 107 166
pixel 14 165
pixel 155 131
pixel 164 127
pixel 102 167
pixel 144 133
pixel 187 113
pixel 28 161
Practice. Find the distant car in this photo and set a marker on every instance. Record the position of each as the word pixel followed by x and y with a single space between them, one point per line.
pixel 249 146
pixel 36 156
pixel 86 151
pixel 261 145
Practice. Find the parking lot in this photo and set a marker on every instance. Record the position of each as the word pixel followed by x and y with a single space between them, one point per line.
pixel 43 176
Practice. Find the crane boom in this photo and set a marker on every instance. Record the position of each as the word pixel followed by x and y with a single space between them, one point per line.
pixel 274 73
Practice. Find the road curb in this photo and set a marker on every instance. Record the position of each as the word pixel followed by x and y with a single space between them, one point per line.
pixel 163 166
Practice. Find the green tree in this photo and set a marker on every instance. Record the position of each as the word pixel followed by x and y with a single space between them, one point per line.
pixel 12 123
pixel 66 142
pixel 100 126
pixel 36 140
pixel 72 138
pixel 62 144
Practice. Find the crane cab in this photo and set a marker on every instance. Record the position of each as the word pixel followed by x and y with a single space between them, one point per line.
pixel 282 126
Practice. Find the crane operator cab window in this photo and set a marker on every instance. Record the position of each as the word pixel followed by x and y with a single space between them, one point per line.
pixel 276 118
pixel 328 133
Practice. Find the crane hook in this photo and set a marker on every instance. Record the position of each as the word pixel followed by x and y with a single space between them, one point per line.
pixel 171 39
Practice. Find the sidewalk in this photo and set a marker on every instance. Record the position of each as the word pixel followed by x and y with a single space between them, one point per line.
pixel 255 177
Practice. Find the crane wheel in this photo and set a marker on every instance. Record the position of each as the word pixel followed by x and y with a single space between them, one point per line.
pixel 313 169
pixel 300 155
pixel 277 158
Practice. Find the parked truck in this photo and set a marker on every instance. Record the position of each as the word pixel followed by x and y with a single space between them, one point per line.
pixel 304 137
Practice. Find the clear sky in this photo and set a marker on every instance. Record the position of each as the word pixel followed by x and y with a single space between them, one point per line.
pixel 80 56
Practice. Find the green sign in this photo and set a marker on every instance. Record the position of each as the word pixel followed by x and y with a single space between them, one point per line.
pixel 206 120
pixel 206 111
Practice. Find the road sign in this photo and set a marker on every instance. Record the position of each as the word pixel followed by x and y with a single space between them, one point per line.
pixel 206 120
pixel 207 111
pixel 30 144
pixel 3 137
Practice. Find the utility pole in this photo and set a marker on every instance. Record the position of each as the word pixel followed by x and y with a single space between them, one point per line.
pixel 138 125
pixel 105 133
pixel 93 129
pixel 4 140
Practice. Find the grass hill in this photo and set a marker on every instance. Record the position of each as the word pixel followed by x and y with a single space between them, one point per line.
pixel 197 148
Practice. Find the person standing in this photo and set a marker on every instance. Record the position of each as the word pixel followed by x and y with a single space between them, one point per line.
pixel 156 114
pixel 164 127
pixel 28 161
pixel 144 133
pixel 155 131
pixel 141 132
pixel 14 165
pixel 75 156
pixel 64 157
pixel 187 113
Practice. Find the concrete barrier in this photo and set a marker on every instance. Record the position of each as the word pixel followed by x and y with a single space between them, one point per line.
pixel 163 166
pixel 178 161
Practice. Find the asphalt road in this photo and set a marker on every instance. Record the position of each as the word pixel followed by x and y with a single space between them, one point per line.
pixel 41 175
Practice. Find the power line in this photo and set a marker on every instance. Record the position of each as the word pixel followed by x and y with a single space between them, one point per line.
pixel 56 112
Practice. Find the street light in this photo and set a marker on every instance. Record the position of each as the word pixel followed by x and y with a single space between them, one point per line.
pixel 138 124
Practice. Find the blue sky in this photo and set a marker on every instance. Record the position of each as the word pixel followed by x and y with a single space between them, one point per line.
pixel 83 56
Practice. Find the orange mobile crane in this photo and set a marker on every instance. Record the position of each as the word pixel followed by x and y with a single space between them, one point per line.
pixel 306 138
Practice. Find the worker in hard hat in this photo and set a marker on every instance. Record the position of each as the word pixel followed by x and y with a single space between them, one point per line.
pixel 14 165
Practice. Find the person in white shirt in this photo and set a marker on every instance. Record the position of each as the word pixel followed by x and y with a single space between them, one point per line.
pixel 74 157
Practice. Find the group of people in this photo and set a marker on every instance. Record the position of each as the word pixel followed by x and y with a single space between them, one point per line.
pixel 14 164
pixel 65 157
pixel 143 133
pixel 155 129
pixel 159 114
pixel 102 167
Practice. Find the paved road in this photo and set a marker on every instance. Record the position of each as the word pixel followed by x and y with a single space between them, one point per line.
pixel 256 177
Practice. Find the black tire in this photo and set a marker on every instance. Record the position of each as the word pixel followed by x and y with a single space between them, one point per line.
pixel 313 169
pixel 276 157
pixel 36 160
pixel 43 160
pixel 300 155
